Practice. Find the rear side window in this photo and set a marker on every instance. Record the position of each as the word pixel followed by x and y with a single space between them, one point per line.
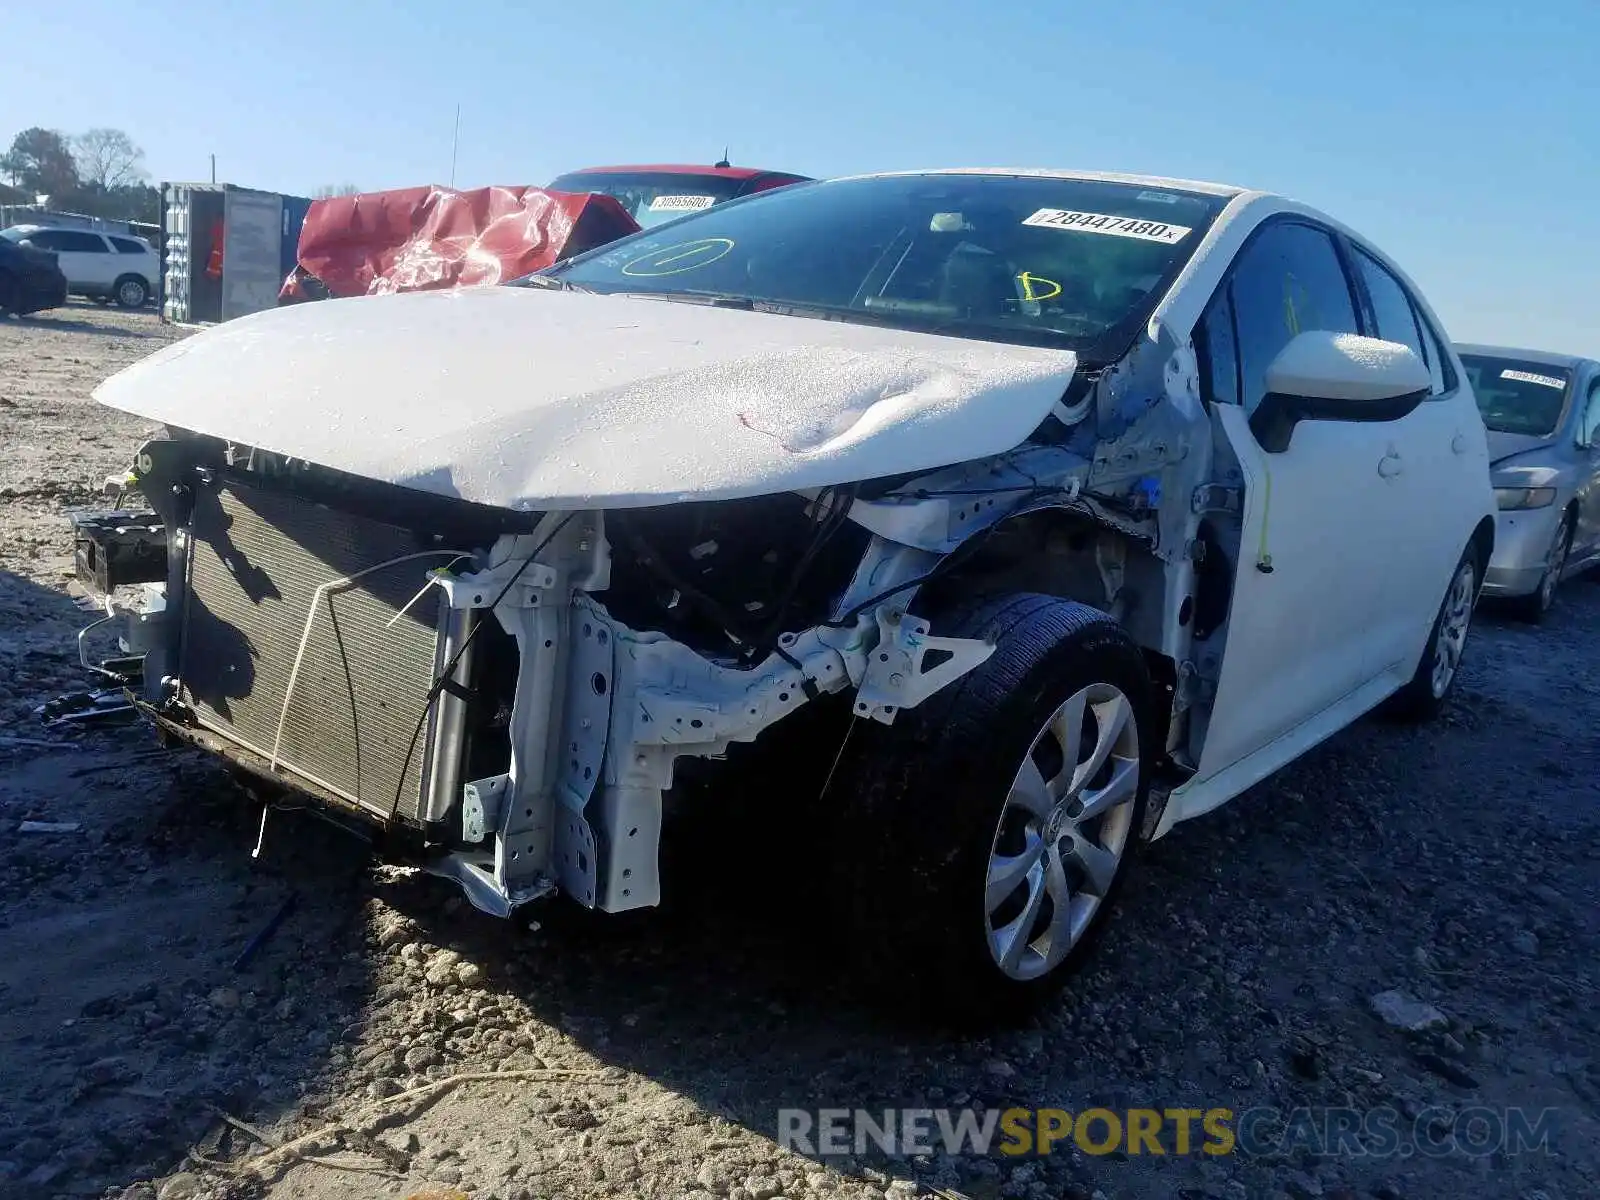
pixel 1288 281
pixel 1400 319
pixel 1444 375
pixel 1397 322
pixel 124 246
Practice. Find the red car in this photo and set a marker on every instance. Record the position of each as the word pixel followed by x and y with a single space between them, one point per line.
pixel 653 194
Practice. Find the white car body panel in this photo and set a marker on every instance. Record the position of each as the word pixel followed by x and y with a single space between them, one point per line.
pixel 525 398
pixel 1303 633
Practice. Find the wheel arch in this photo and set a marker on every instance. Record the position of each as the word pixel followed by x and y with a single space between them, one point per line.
pixel 1482 541
pixel 1059 552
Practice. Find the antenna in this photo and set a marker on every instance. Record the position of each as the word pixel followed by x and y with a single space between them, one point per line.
pixel 724 164
pixel 455 144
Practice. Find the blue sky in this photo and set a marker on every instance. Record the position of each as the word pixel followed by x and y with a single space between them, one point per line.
pixel 1462 136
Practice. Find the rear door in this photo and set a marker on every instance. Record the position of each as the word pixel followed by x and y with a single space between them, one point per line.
pixel 1301 629
pixel 135 258
pixel 1437 461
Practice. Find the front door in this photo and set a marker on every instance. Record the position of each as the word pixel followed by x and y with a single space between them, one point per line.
pixel 1314 554
pixel 1586 538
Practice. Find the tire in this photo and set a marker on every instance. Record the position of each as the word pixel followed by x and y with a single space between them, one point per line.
pixel 1536 605
pixel 928 814
pixel 8 295
pixel 1424 697
pixel 131 292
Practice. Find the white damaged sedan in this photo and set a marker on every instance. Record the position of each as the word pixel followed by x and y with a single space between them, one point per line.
pixel 1067 506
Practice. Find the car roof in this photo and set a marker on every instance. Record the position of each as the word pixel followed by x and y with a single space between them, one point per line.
pixel 1224 190
pixel 133 237
pixel 685 169
pixel 1549 358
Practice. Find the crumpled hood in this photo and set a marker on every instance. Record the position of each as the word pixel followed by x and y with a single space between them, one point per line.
pixel 528 398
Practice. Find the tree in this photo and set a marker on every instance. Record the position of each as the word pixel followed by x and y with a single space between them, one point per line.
pixel 40 162
pixel 329 190
pixel 107 159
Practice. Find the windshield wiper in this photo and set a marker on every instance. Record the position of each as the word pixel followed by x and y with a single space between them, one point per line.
pixel 549 283
pixel 710 299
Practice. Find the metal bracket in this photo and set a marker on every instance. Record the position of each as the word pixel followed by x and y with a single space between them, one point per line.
pixel 480 589
pixel 1216 497
pixel 480 807
pixel 895 678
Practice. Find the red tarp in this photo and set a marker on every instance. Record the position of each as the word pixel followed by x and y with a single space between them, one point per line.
pixel 429 238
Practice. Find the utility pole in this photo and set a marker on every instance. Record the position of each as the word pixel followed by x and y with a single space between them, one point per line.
pixel 455 144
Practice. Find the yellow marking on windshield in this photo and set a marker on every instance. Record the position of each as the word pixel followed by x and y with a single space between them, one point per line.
pixel 1028 279
pixel 659 262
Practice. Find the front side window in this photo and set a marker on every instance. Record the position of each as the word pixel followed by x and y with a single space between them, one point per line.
pixel 1034 260
pixel 128 246
pixel 653 197
pixel 68 241
pixel 1590 429
pixel 1517 396
pixel 1219 351
pixel 1287 281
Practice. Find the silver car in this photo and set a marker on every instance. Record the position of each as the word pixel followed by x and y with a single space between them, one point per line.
pixel 1542 412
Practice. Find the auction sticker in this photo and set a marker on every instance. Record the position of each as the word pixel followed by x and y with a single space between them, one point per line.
pixel 1529 377
pixel 681 203
pixel 1128 227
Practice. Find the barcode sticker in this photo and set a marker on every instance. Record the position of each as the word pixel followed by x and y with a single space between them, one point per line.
pixel 1128 227
pixel 1548 381
pixel 681 203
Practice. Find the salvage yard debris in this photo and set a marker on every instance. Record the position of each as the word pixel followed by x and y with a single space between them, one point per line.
pixel 49 827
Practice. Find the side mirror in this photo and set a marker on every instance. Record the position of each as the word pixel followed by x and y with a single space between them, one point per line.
pixel 1325 376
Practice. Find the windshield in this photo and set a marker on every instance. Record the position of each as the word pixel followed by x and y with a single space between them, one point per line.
pixel 15 234
pixel 1516 396
pixel 1035 260
pixel 652 197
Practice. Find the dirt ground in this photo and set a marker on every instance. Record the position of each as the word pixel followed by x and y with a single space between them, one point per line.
pixel 1456 864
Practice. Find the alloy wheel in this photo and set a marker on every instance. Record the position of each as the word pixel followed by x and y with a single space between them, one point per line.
pixel 1454 619
pixel 1556 562
pixel 1063 831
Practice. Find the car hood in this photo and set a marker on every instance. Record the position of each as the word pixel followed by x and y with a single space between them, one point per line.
pixel 1507 445
pixel 530 398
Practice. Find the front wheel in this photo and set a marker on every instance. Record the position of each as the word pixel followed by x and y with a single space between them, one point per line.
pixel 1536 606
pixel 985 834
pixel 1424 697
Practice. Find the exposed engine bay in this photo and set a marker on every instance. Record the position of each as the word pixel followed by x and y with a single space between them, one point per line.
pixel 505 695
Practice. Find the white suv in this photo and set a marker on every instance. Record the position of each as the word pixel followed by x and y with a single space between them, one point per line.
pixel 98 264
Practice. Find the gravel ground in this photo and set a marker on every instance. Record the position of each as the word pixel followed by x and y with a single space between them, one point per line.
pixel 1457 865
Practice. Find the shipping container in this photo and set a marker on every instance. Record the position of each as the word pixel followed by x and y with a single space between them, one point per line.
pixel 294 217
pixel 222 249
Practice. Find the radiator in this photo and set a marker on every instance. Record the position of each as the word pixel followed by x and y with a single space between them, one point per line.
pixel 255 560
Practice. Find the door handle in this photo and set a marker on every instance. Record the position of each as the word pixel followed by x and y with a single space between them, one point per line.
pixel 1389 465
